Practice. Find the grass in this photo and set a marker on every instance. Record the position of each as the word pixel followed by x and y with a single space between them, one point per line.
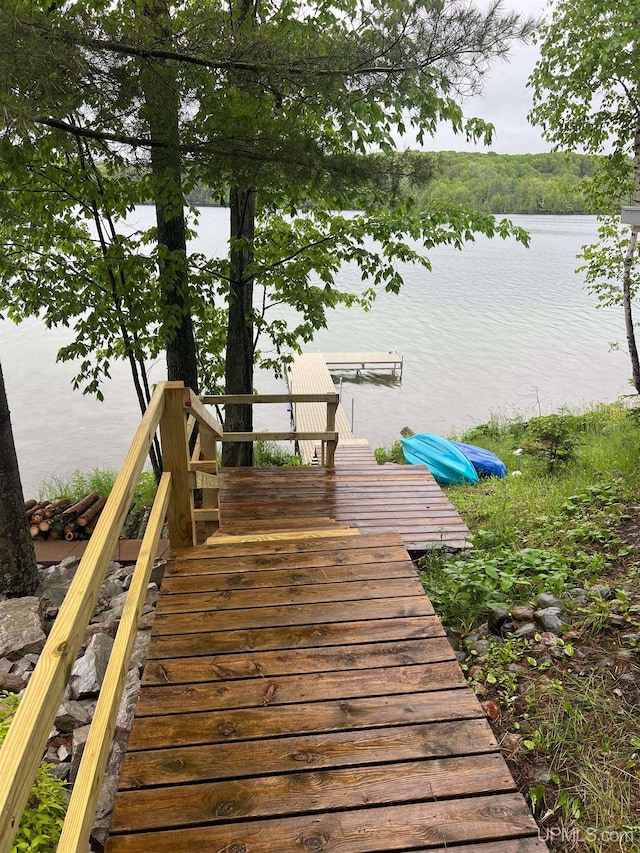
pixel 80 483
pixel 568 706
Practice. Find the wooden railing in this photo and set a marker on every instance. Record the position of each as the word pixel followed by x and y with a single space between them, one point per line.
pixel 176 410
pixel 328 438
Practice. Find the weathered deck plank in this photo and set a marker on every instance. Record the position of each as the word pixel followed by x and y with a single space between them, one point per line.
pixel 296 699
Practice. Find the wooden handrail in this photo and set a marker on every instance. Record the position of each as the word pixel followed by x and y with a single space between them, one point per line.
pixel 86 790
pixel 246 399
pixel 26 739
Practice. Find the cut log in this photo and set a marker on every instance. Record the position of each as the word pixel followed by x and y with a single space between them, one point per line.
pixel 56 507
pixel 44 526
pixel 70 530
pixel 34 530
pixel 79 507
pixel 39 505
pixel 30 504
pixel 91 515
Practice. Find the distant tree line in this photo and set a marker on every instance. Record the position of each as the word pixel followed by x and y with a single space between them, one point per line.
pixel 553 183
pixel 512 183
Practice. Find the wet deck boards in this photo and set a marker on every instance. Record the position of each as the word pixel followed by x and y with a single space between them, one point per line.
pixel 302 696
pixel 403 499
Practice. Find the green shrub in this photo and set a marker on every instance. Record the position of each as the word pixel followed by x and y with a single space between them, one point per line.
pixel 553 438
pixel 43 817
pixel 462 590
pixel 266 453
pixel 390 454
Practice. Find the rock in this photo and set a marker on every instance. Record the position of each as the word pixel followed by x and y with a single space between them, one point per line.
pixel 545 600
pixel 114 568
pixel 22 667
pixel 481 647
pixel 20 627
pixel 5 664
pixel 512 742
pixel 79 740
pixel 64 753
pixel 601 591
pixel 617 621
pixel 88 671
pixel 12 682
pixel 630 639
pixel 522 613
pixel 541 774
pixel 157 573
pixel 110 588
pixel 578 594
pixel 526 630
pixel 62 770
pixel 146 622
pixel 629 677
pixel 71 715
pixel 461 657
pixel 454 642
pixel 140 649
pixel 517 669
pixel 491 709
pixel 550 619
pixel 497 617
pixel 128 701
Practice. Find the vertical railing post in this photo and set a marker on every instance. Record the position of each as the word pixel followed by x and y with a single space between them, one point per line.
pixel 175 458
pixel 210 497
pixel 332 408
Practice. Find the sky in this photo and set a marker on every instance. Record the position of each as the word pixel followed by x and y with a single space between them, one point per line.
pixel 505 102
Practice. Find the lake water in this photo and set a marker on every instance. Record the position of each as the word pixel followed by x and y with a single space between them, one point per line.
pixel 494 329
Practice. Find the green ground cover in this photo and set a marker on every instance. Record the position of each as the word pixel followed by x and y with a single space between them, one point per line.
pixel 566 521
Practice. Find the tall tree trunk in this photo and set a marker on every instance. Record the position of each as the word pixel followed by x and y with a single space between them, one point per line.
pixel 627 294
pixel 18 569
pixel 239 345
pixel 162 113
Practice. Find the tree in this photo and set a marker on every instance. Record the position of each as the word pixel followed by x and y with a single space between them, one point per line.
pixel 18 569
pixel 277 101
pixel 586 89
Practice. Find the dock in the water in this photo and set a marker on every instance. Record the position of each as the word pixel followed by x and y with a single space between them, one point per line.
pixel 309 374
pixel 364 361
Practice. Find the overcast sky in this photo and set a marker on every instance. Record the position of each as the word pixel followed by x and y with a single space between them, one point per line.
pixel 506 100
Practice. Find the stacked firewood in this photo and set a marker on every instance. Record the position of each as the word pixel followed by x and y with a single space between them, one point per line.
pixel 62 519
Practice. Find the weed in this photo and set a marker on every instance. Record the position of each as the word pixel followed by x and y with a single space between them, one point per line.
pixel 390 454
pixel 493 669
pixel 43 817
pixel 79 484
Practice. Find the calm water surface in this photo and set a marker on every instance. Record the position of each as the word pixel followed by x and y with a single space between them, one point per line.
pixel 496 328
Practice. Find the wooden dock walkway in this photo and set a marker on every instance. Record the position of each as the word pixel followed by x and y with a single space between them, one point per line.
pixel 308 374
pixel 302 696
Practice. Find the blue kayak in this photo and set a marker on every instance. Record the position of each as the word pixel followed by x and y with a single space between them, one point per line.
pixel 447 463
pixel 486 463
